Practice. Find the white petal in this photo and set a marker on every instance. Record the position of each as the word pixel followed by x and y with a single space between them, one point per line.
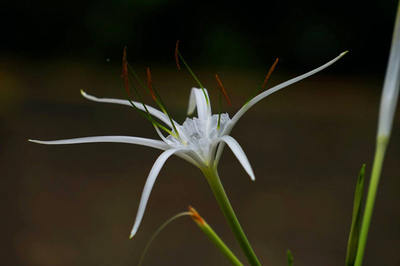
pixel 154 112
pixel 221 147
pixel 239 153
pixel 192 102
pixel 275 89
pixel 192 157
pixel 390 93
pixel 198 99
pixel 149 186
pixel 158 144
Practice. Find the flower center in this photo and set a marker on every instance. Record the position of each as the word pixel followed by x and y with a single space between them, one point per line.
pixel 198 134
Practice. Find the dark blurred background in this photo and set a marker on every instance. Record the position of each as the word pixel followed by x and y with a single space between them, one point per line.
pixel 75 205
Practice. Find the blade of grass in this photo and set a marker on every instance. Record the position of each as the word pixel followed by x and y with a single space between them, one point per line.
pixel 356 220
pixel 289 258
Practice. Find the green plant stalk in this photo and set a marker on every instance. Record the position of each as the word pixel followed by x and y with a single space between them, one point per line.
pixel 381 145
pixel 354 236
pixel 223 201
pixel 209 232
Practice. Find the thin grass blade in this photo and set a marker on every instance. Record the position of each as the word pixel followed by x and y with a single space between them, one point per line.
pixel 356 220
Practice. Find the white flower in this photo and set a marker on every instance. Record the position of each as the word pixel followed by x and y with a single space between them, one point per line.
pixel 200 141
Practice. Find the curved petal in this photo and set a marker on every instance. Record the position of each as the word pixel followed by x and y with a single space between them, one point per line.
pixel 275 89
pixel 153 111
pixel 239 153
pixel 151 179
pixel 197 98
pixel 158 144
pixel 218 155
pixel 192 157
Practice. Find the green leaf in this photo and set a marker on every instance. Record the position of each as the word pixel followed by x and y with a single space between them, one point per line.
pixel 354 236
pixel 289 258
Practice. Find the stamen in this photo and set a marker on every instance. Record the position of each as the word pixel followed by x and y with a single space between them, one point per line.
pixel 123 63
pixel 193 75
pixel 160 103
pixel 145 114
pixel 196 216
pixel 270 72
pixel 265 81
pixel 150 84
pixel 219 110
pixel 125 71
pixel 148 116
pixel 126 78
pixel 223 89
pixel 153 92
pixel 176 55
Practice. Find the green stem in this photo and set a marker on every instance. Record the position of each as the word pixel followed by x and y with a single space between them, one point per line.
pixel 215 239
pixel 223 201
pixel 381 145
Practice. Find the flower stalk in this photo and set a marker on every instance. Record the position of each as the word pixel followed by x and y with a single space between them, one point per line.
pixel 386 114
pixel 226 207
pixel 209 232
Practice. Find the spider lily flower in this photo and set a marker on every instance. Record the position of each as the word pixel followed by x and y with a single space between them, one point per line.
pixel 200 142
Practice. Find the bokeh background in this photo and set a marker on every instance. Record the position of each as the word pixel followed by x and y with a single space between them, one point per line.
pixel 75 205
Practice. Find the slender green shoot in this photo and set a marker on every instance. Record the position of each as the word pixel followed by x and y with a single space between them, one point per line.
pixel 289 258
pixel 354 236
pixel 158 231
pixel 215 239
pixel 380 151
pixel 390 95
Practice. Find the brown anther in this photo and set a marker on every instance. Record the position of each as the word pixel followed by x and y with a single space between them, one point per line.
pixel 150 84
pixel 125 74
pixel 270 72
pixel 195 216
pixel 176 55
pixel 123 63
pixel 223 90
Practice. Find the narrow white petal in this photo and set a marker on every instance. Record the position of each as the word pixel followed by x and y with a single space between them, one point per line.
pixel 154 112
pixel 390 93
pixel 188 159
pixel 275 89
pixel 158 144
pixel 218 155
pixel 192 102
pixel 151 179
pixel 239 153
pixel 198 99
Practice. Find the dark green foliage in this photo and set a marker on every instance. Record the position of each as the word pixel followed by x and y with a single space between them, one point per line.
pixel 289 258
pixel 352 245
